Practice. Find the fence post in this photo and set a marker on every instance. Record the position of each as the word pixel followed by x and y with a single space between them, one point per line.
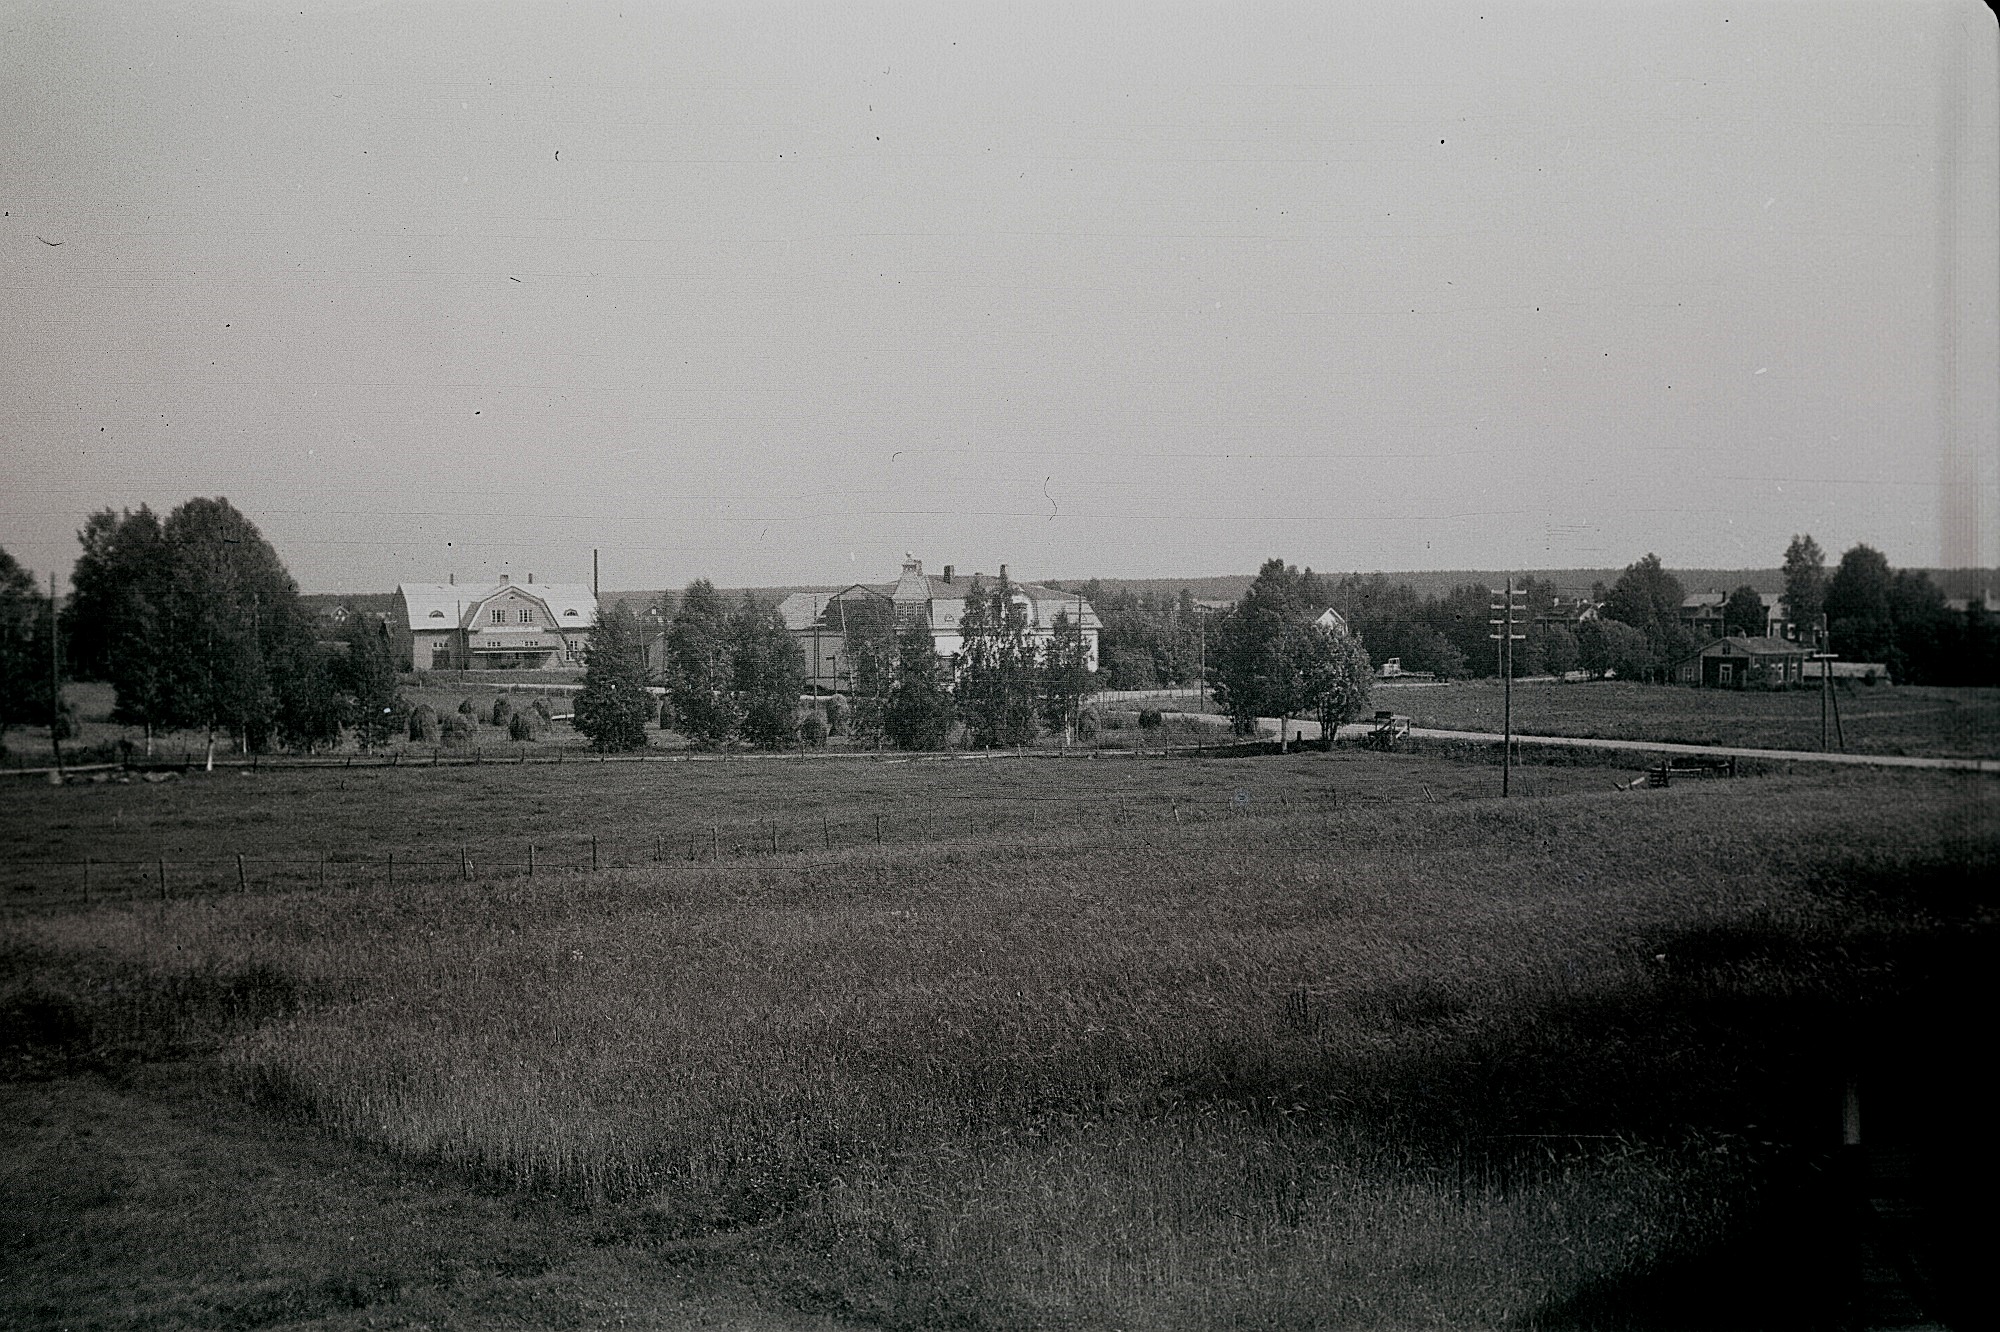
pixel 878 829
pixel 322 871
pixel 715 841
pixel 242 884
pixel 825 833
pixel 464 864
pixel 593 853
pixel 392 869
pixel 161 863
pixel 531 860
pixel 86 880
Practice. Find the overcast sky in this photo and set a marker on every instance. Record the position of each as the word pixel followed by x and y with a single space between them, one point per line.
pixel 774 293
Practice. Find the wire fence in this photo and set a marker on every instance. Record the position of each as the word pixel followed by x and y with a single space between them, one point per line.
pixel 28 883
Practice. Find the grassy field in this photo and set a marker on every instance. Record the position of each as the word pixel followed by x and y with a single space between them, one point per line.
pixel 285 820
pixel 1419 1059
pixel 1885 719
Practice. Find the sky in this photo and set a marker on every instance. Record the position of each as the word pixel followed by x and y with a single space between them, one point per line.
pixel 774 294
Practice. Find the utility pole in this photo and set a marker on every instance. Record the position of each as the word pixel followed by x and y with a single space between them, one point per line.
pixel 1504 647
pixel 593 575
pixel 55 679
pixel 1827 687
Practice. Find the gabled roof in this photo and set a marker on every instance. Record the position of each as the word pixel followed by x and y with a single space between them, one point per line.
pixel 1748 647
pixel 460 602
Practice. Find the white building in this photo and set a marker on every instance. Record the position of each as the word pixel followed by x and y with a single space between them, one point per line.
pixel 492 626
pixel 820 619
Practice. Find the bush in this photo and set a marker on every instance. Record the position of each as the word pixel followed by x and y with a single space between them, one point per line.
pixel 466 709
pixel 519 727
pixel 424 723
pixel 1150 719
pixel 813 730
pixel 542 707
pixel 1087 724
pixel 455 728
pixel 503 712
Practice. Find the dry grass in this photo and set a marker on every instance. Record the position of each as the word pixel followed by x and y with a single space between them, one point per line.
pixel 1261 1073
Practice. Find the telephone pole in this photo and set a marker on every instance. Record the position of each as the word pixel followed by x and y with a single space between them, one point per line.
pixel 55 679
pixel 1510 603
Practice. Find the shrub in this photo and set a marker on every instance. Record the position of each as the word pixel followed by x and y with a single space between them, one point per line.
pixel 503 711
pixel 836 715
pixel 467 709
pixel 542 707
pixel 1087 723
pixel 519 727
pixel 455 728
pixel 813 730
pixel 424 723
pixel 1150 719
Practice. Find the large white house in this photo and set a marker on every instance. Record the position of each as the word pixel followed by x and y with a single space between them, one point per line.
pixel 492 626
pixel 819 619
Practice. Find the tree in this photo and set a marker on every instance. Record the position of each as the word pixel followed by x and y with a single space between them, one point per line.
pixel 27 684
pixel 115 621
pixel 1333 673
pixel 1250 664
pixel 767 675
pixel 979 700
pixel 612 707
pixel 1593 648
pixel 370 690
pixel 1561 650
pixel 1648 598
pixel 310 703
pixel 1066 676
pixel 1924 634
pixel 1805 585
pixel 1627 653
pixel 120 561
pixel 870 629
pixel 919 712
pixel 1743 613
pixel 424 724
pixel 1857 606
pixel 698 667
pixel 1017 665
pixel 228 615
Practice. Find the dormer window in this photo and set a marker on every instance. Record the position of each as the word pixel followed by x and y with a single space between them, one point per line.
pixel 437 615
pixel 526 617
pixel 570 612
pixel 499 617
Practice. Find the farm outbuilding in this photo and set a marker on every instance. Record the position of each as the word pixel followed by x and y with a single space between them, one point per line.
pixel 1744 663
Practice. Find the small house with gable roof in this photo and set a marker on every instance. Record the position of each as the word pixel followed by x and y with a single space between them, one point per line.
pixel 492 626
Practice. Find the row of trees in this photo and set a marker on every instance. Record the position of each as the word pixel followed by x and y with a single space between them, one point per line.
pixel 1271 658
pixel 1898 617
pixel 196 624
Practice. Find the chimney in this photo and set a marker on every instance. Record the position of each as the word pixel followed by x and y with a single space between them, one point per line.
pixel 531 578
pixel 947 573
pixel 451 579
pixel 505 578
pixel 1003 573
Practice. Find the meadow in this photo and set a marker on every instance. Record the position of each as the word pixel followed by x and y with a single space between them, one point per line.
pixel 1883 719
pixel 1421 1059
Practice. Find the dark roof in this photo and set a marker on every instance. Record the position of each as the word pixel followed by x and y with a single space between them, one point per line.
pixel 1754 647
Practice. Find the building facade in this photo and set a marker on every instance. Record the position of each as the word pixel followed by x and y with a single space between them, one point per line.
pixel 821 621
pixel 492 626
pixel 1743 663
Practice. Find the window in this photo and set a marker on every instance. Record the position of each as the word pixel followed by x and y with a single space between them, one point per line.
pixel 526 617
pixel 570 611
pixel 499 617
